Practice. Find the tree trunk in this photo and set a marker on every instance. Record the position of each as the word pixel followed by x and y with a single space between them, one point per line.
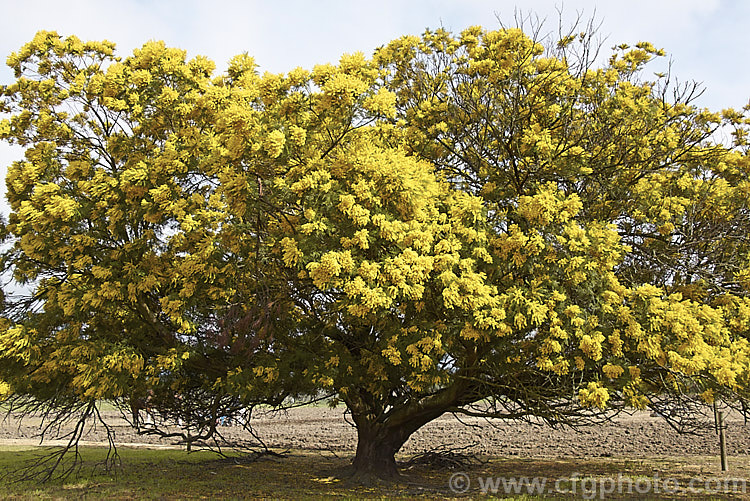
pixel 376 449
pixel 380 435
pixel 379 441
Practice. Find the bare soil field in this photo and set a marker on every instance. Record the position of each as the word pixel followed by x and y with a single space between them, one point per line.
pixel 327 429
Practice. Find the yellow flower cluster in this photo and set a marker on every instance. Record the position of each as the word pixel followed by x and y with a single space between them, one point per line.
pixel 594 395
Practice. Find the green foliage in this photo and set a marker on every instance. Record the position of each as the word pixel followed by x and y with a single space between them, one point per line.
pixel 467 223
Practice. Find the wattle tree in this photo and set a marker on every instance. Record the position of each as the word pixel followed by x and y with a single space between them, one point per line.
pixel 473 224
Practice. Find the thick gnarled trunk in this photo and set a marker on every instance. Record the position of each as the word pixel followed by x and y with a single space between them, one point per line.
pixel 381 433
pixel 376 450
pixel 379 441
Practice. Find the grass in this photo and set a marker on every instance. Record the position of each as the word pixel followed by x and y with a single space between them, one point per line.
pixel 174 474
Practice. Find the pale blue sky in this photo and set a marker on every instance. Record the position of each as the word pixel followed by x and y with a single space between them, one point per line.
pixel 707 40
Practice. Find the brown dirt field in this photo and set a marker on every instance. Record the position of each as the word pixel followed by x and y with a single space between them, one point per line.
pixel 322 428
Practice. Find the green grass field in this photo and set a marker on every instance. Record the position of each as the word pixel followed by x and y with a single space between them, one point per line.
pixel 175 474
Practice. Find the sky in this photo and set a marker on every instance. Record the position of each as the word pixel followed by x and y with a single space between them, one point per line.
pixel 707 41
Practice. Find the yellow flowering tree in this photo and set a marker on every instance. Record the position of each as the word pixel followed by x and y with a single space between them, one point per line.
pixel 473 224
pixel 469 226
pixel 126 288
pixel 521 124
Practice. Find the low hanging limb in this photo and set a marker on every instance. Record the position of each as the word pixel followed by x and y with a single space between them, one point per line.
pixel 113 461
pixel 66 460
pixel 201 431
pixel 250 451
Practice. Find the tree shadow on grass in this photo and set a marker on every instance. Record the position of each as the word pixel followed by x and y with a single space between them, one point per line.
pixel 305 474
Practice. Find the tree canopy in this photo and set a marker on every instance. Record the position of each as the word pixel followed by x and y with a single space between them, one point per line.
pixel 484 223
